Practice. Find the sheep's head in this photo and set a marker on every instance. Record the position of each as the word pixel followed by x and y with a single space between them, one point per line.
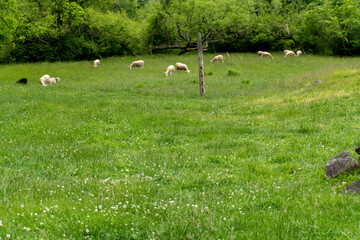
pixel 57 79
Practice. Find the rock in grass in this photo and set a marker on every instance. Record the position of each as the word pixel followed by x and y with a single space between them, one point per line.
pixel 354 187
pixel 357 150
pixel 318 82
pixel 340 164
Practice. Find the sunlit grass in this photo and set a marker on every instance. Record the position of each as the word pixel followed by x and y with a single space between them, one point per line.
pixel 113 153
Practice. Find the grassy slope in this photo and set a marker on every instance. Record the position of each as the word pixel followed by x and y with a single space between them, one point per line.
pixel 112 153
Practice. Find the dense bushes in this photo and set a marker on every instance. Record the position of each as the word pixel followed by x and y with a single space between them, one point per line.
pixel 64 48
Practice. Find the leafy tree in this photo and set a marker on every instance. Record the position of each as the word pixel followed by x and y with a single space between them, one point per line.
pixel 114 26
pixel 8 19
pixel 214 19
pixel 332 27
pixel 278 22
pixel 343 26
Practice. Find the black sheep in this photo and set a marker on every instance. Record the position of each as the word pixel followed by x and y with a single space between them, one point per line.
pixel 22 81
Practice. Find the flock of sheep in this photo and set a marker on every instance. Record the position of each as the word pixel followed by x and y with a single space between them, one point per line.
pixel 140 63
pixel 286 53
pixel 46 79
pixel 170 69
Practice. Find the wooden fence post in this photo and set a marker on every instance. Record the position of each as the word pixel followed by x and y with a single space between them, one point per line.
pixel 201 65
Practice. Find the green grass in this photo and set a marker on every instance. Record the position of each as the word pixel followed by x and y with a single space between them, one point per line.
pixel 113 153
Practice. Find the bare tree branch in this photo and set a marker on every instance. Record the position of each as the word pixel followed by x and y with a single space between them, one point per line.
pixel 191 46
pixel 179 32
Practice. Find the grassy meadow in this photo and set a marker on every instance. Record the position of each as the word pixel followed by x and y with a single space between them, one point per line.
pixel 113 153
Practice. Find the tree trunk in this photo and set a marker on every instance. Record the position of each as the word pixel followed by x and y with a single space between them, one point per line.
pixel 166 31
pixel 127 48
pixel 213 47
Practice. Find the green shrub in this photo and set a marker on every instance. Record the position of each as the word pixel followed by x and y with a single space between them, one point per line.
pixel 232 73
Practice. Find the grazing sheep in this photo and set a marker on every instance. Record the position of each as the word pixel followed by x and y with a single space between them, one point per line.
pixel 54 80
pixel 22 81
pixel 96 63
pixel 289 53
pixel 285 51
pixel 46 79
pixel 298 53
pixel 181 66
pixel 266 54
pixel 170 70
pixel 218 58
pixel 139 63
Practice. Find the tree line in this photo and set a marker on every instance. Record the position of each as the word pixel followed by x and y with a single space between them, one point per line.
pixel 64 30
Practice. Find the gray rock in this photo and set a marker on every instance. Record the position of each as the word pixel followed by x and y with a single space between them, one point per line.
pixel 354 187
pixel 340 164
pixel 318 82
pixel 357 150
pixel 308 84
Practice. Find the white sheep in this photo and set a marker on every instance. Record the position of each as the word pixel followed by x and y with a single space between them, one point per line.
pixel 170 70
pixel 96 63
pixel 266 54
pixel 46 79
pixel 298 53
pixel 54 80
pixel 218 58
pixel 139 63
pixel 285 51
pixel 181 66
pixel 289 53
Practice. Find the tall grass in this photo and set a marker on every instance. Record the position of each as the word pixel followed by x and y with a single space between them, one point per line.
pixel 113 153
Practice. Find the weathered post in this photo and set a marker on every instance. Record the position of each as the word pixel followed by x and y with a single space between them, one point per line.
pixel 201 65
